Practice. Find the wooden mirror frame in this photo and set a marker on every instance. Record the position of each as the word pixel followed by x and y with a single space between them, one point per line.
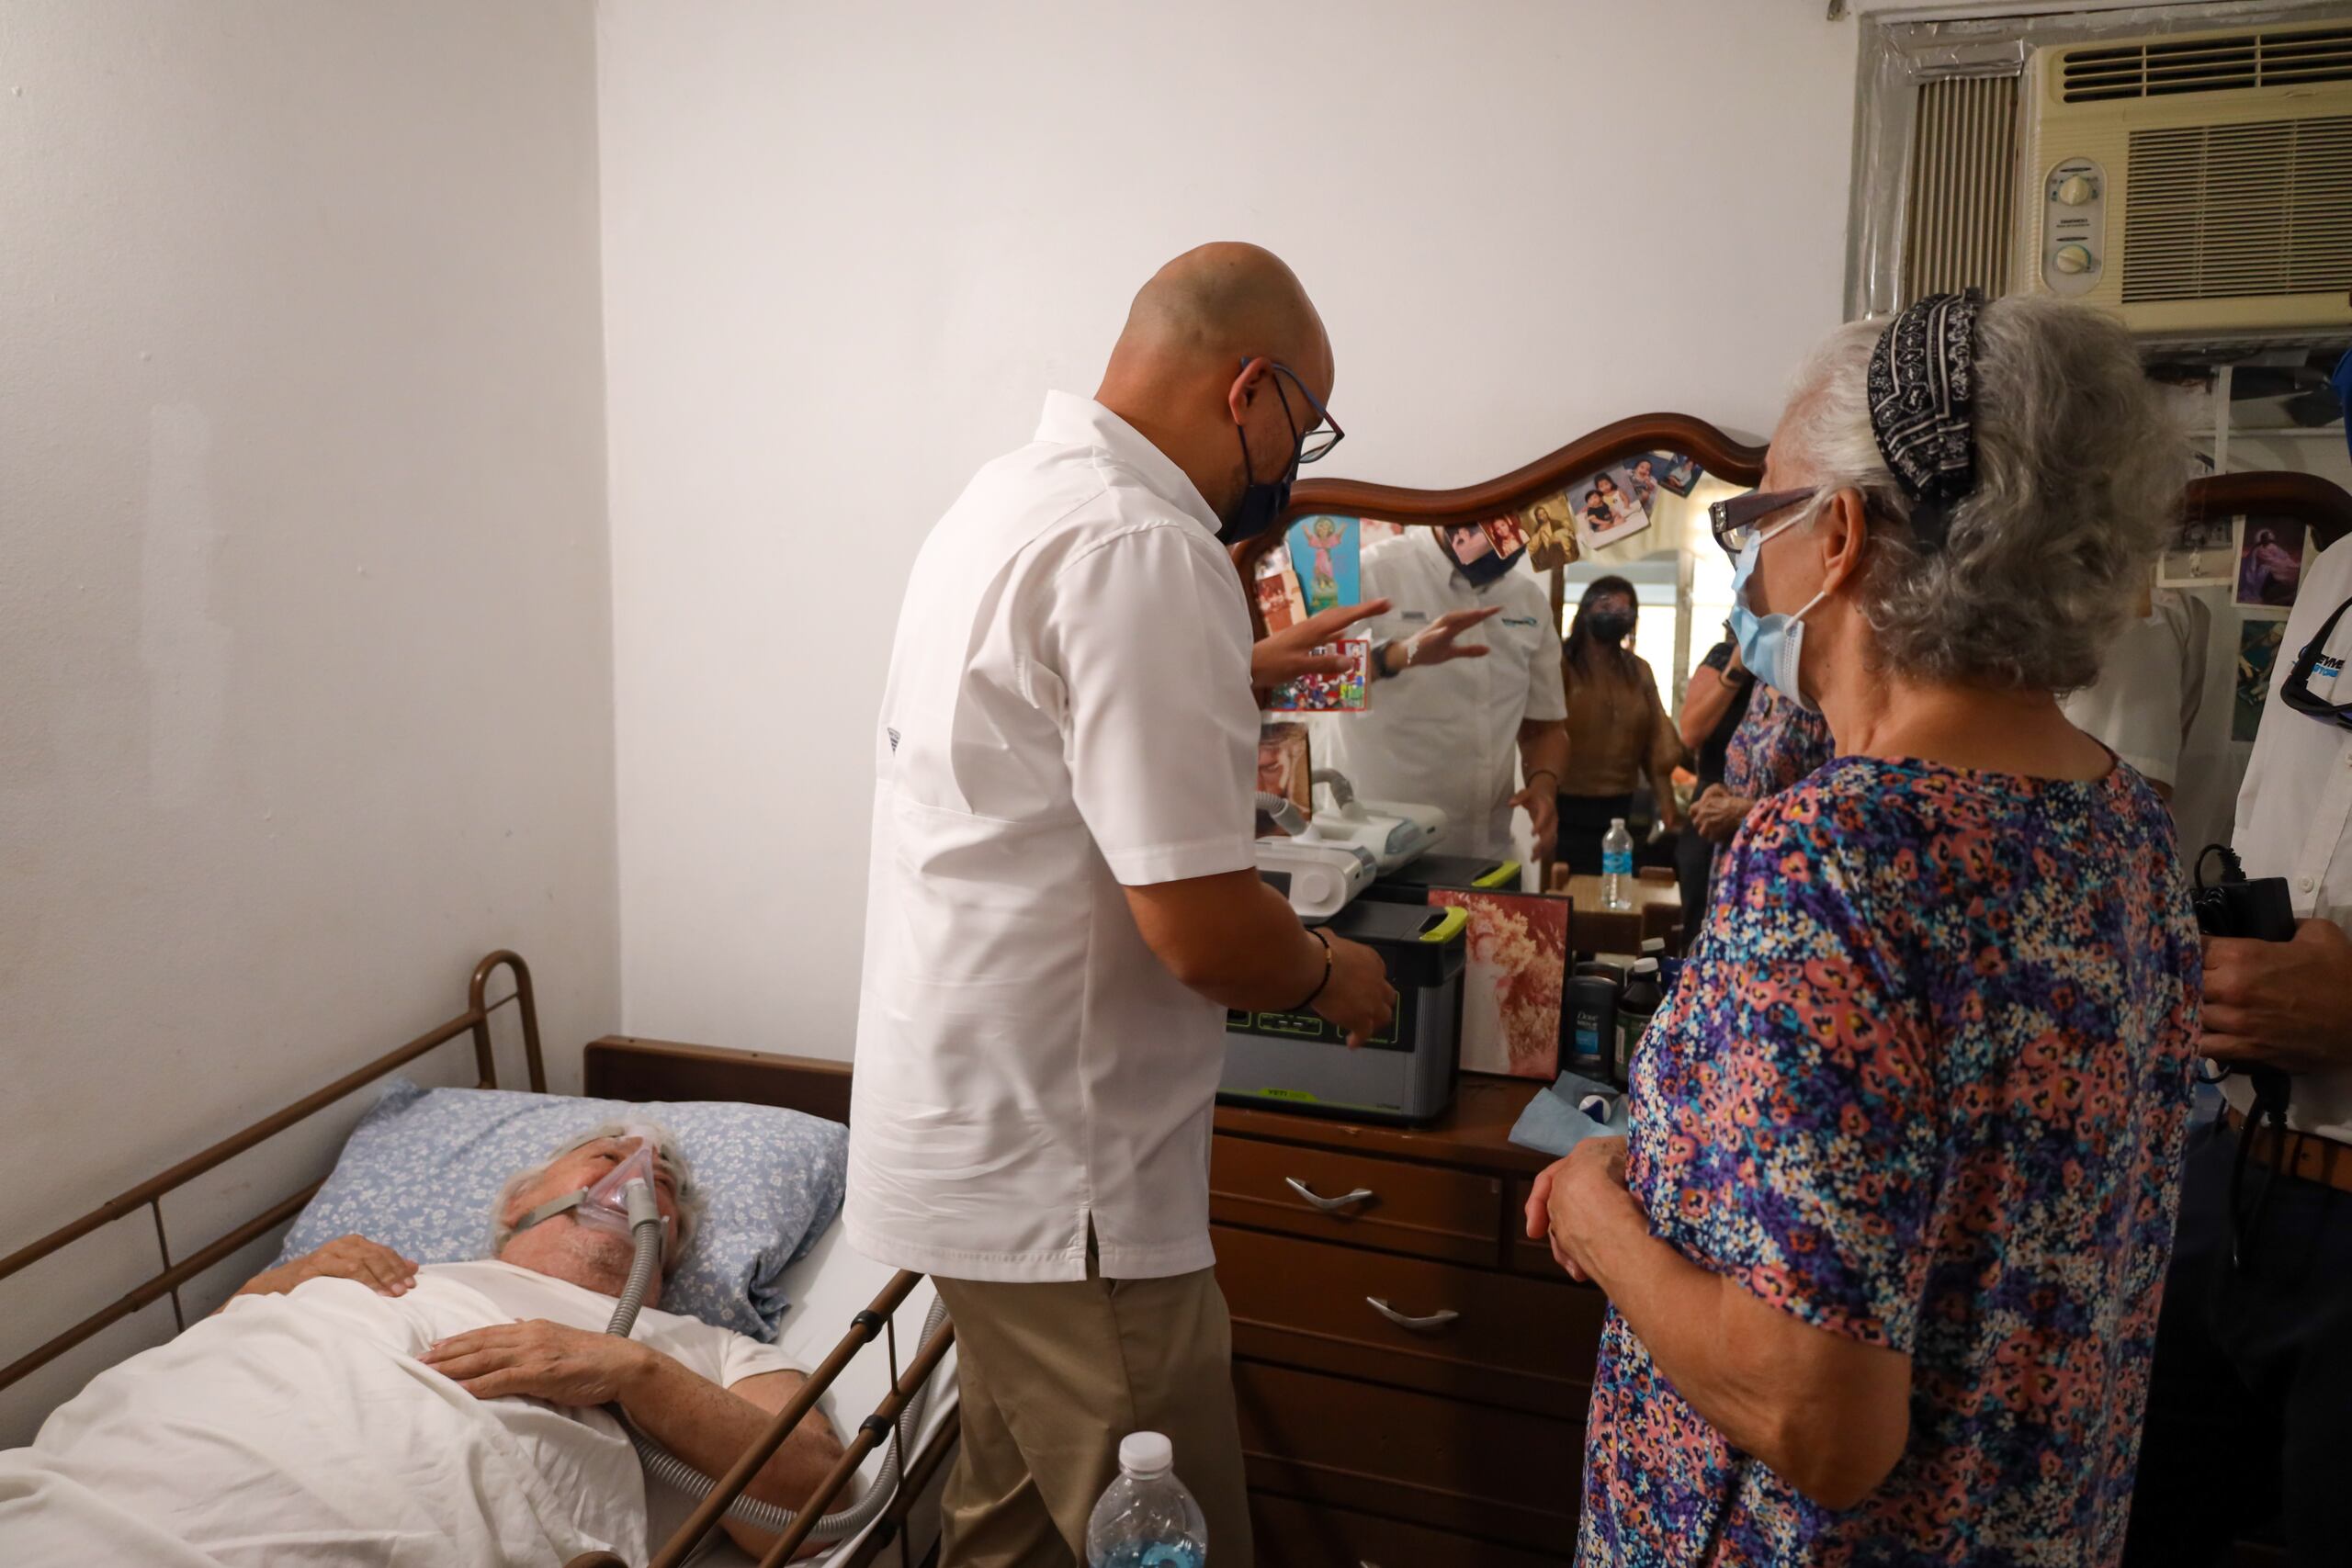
pixel 2319 503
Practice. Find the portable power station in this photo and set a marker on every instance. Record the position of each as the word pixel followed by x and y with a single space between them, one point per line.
pixel 1299 1061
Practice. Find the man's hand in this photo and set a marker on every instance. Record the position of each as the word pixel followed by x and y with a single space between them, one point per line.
pixel 1543 808
pixel 1287 654
pixel 1436 643
pixel 371 1263
pixel 1718 813
pixel 1358 997
pixel 539 1359
pixel 2280 1004
pixel 1572 1195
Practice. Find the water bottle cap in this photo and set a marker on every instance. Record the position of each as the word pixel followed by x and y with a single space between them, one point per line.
pixel 1616 821
pixel 1147 1454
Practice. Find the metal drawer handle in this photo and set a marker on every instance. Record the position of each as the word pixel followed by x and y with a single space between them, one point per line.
pixel 1434 1320
pixel 1328 1205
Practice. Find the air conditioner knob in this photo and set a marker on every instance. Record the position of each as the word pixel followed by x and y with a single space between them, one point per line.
pixel 2072 259
pixel 2075 190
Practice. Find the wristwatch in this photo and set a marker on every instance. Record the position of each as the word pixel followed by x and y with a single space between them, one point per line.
pixel 1380 659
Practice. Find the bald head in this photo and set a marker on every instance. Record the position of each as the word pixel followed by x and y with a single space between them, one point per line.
pixel 1194 367
pixel 1221 304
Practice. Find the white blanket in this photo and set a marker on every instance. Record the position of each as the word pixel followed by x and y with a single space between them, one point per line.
pixel 299 1430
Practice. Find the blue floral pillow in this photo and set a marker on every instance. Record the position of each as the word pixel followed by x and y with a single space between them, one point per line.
pixel 422 1168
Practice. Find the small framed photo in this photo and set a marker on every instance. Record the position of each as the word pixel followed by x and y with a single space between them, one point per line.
pixel 1505 535
pixel 2270 563
pixel 1286 768
pixel 1279 600
pixel 1348 691
pixel 1605 509
pixel 2258 643
pixel 1680 474
pixel 2202 554
pixel 1326 553
pixel 1550 528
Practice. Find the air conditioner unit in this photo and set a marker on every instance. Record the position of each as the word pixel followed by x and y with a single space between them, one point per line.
pixel 2196 184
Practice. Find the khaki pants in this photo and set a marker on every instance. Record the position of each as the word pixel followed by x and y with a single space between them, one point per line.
pixel 1052 1377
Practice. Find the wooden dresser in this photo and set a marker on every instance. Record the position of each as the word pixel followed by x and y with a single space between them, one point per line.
pixel 1412 1373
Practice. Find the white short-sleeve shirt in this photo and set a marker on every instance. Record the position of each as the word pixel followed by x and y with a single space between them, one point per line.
pixel 2151 683
pixel 2295 810
pixel 1068 711
pixel 1448 735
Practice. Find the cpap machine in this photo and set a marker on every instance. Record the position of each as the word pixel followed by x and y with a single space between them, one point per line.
pixel 1321 866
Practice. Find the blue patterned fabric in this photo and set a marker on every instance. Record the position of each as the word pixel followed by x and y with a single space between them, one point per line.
pixel 422 1168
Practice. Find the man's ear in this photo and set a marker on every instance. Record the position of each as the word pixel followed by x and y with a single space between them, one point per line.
pixel 1245 387
pixel 1844 532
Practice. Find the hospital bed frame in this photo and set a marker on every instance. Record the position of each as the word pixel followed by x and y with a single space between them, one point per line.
pixel 613 1067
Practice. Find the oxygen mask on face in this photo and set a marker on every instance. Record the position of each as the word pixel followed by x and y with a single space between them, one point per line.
pixel 612 1204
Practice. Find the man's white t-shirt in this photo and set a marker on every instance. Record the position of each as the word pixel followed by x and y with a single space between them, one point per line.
pixel 1448 735
pixel 2295 817
pixel 1067 714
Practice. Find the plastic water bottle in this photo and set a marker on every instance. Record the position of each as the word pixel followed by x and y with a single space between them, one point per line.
pixel 1617 867
pixel 1147 1520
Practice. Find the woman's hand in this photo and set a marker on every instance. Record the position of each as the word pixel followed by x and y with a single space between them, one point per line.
pixel 539 1359
pixel 371 1263
pixel 1287 654
pixel 1575 1198
pixel 1718 813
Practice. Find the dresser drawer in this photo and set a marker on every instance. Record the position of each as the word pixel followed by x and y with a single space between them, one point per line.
pixel 1310 1535
pixel 1529 1257
pixel 1467 1333
pixel 1425 1210
pixel 1442 1463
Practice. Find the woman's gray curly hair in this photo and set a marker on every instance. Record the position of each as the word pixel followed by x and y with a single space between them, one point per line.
pixel 666 1150
pixel 2079 476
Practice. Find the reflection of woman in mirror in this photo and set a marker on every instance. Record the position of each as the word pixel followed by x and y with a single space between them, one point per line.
pixel 1617 726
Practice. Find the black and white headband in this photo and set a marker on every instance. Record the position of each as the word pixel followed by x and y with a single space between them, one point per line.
pixel 1922 388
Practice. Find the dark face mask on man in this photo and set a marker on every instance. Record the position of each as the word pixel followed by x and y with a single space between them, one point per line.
pixel 1261 501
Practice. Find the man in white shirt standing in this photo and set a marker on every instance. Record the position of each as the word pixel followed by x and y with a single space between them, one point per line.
pixel 1482 735
pixel 2150 685
pixel 1063 899
pixel 2251 1402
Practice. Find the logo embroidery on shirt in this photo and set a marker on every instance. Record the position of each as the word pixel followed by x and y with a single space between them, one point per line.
pixel 1520 621
pixel 894 737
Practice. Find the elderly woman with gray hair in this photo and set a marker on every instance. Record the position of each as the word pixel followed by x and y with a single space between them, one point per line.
pixel 1883 1247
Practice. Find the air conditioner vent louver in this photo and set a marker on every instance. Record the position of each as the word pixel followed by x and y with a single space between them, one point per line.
pixel 2234 210
pixel 2160 69
pixel 1962 203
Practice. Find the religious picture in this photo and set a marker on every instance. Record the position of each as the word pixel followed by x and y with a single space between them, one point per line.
pixel 1512 985
pixel 1505 535
pixel 2257 657
pixel 1605 509
pixel 1324 551
pixel 1348 691
pixel 1285 768
pixel 2270 563
pixel 2203 553
pixel 1550 525
pixel 1677 473
pixel 1279 600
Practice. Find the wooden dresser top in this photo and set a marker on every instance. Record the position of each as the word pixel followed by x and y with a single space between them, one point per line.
pixel 1474 1134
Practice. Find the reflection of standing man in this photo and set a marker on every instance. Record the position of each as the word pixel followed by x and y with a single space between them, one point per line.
pixel 1063 897
pixel 1477 732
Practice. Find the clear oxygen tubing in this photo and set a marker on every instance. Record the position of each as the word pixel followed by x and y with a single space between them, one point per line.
pixel 660 1464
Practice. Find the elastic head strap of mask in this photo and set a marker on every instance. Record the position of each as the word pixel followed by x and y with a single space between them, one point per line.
pixel 1922 390
pixel 550 1209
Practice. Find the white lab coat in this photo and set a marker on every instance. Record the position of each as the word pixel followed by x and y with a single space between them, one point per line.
pixel 1068 712
pixel 1448 735
pixel 2295 812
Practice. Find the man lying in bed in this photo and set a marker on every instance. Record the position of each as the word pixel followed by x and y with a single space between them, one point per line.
pixel 352 1407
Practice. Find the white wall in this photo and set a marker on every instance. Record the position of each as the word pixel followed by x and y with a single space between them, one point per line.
pixel 847 248
pixel 304 606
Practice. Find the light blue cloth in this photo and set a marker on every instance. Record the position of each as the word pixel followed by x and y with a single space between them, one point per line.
pixel 1553 1122
pixel 420 1170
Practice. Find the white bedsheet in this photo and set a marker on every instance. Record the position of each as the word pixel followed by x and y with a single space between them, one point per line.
pixel 299 1430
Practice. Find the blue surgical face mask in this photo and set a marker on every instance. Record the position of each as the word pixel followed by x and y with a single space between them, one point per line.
pixel 1771 646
